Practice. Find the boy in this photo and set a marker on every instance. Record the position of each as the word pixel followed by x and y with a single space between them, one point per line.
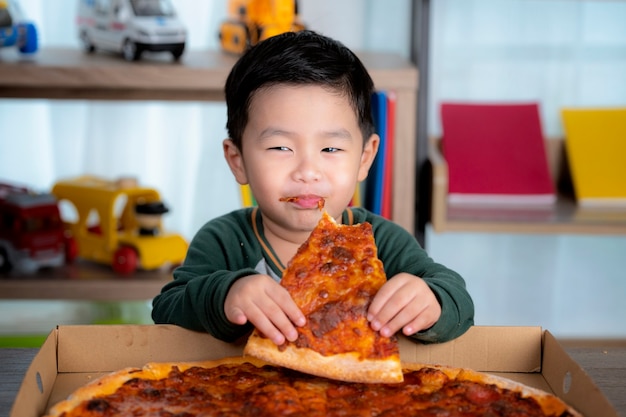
pixel 300 130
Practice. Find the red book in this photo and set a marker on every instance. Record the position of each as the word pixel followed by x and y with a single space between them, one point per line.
pixel 496 154
pixel 386 211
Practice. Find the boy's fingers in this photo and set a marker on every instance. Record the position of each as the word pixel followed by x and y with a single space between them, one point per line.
pixel 287 314
pixel 396 322
pixel 283 299
pixel 268 306
pixel 394 300
pixel 237 316
pixel 381 298
pixel 265 326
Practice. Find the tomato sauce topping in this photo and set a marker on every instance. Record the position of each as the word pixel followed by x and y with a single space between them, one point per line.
pixel 247 390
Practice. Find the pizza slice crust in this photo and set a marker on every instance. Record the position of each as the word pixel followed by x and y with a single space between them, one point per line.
pixel 347 367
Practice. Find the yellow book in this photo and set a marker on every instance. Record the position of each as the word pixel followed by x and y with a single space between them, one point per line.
pixel 247 199
pixel 595 141
pixel 356 198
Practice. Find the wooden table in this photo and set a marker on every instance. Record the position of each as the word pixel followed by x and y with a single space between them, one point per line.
pixel 605 363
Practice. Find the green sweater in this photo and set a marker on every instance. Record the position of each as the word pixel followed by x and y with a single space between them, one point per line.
pixel 228 248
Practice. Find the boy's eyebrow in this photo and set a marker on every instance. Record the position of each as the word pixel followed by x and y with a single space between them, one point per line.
pixel 273 131
pixel 340 133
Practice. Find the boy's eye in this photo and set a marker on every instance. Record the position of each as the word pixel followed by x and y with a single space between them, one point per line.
pixel 331 150
pixel 279 148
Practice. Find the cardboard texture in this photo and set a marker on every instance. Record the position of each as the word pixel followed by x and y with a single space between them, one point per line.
pixel 75 355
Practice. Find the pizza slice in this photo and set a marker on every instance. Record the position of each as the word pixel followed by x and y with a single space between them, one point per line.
pixel 333 278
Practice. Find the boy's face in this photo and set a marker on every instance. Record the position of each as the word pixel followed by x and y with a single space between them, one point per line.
pixel 302 142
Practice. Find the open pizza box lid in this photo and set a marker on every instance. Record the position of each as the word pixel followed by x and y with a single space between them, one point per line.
pixel 75 355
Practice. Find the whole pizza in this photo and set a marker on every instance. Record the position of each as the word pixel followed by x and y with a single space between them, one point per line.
pixel 338 366
pixel 243 386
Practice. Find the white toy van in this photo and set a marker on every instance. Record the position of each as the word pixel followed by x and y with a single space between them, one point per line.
pixel 130 27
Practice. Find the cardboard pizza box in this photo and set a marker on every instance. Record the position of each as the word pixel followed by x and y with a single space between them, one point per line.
pixel 74 355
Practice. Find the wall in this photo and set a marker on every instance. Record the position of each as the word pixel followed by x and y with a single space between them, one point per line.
pixel 559 53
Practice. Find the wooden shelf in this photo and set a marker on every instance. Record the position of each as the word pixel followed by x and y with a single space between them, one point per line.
pixel 72 74
pixel 57 73
pixel 83 281
pixel 565 217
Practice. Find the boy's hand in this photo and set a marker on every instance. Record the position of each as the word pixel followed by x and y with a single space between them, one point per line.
pixel 267 305
pixel 403 302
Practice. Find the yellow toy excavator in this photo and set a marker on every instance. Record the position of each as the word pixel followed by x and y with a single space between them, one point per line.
pixel 251 21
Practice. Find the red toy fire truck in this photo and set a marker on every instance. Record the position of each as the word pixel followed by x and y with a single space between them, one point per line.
pixel 32 235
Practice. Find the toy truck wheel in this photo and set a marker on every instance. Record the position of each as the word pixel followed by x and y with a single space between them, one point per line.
pixel 130 51
pixel 234 37
pixel 29 43
pixel 5 264
pixel 71 249
pixel 88 46
pixel 125 260
pixel 177 53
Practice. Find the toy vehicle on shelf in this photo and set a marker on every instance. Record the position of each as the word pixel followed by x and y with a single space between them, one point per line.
pixel 118 223
pixel 130 27
pixel 15 30
pixel 32 235
pixel 251 21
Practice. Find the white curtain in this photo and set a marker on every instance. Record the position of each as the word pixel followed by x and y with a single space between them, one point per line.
pixel 172 146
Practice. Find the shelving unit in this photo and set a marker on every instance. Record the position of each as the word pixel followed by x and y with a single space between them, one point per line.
pixel 83 281
pixel 60 74
pixel 565 217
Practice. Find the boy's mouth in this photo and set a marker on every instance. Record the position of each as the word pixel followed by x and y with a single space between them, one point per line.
pixel 305 201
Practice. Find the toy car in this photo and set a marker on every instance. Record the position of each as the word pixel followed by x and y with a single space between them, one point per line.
pixel 130 27
pixel 15 30
pixel 119 223
pixel 32 235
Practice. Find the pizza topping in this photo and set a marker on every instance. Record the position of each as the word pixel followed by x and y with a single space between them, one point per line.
pixel 98 405
pixel 244 389
pixel 333 284
pixel 319 201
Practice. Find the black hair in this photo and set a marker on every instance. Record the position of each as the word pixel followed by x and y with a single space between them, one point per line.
pixel 297 58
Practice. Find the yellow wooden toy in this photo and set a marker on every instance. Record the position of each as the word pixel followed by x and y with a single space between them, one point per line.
pixel 251 21
pixel 118 223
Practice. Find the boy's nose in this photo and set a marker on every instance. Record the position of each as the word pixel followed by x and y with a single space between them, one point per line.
pixel 307 171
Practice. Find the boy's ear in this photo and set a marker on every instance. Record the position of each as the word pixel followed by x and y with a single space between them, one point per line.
pixel 367 157
pixel 234 159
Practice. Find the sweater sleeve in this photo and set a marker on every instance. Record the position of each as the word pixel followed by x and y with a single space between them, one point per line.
pixel 195 298
pixel 400 252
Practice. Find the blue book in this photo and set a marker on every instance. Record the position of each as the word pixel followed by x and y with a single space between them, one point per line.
pixel 375 179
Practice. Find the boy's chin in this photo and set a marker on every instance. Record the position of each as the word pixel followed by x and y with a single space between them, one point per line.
pixel 306 220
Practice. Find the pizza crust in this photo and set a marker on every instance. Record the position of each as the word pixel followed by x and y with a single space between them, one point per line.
pixel 344 366
pixel 104 385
